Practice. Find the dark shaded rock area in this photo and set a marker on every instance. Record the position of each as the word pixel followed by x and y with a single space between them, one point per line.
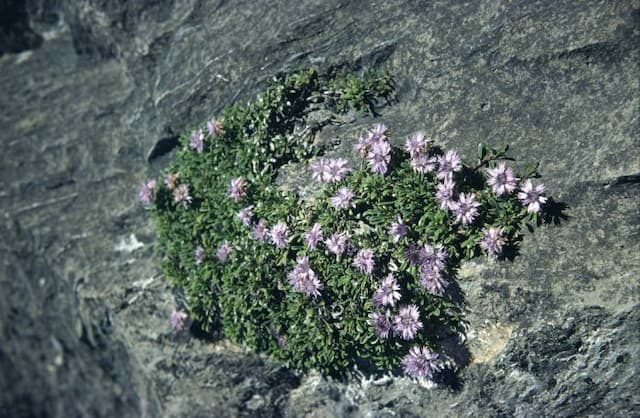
pixel 94 92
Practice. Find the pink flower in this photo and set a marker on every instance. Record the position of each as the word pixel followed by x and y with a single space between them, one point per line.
pixel 337 169
pixel 329 170
pixel 382 324
pixel 492 241
pixel 224 251
pixel 238 188
pixel 363 261
pixel 445 194
pixel 417 145
pixel 245 215
pixel 280 234
pixel 147 192
pixel 379 156
pixel 178 320
pixel 388 293
pixel 196 141
pixel 532 196
pixel 466 208
pixel 171 180
pixel 337 243
pixel 423 164
pixel 314 236
pixel 421 362
pixel 431 279
pixel 398 229
pixel 501 179
pixel 413 255
pixel 407 322
pixel 260 231
pixel 214 127
pixel 342 199
pixel 363 145
pixel 434 256
pixel 181 195
pixel 449 163
pixel 303 279
pixel 378 132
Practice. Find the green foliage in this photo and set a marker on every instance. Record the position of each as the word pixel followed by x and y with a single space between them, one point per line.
pixel 249 296
pixel 347 91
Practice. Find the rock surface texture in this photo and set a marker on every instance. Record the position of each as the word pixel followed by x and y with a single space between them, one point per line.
pixel 89 88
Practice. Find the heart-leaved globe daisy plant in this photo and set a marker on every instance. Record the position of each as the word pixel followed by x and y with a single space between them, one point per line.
pixel 361 272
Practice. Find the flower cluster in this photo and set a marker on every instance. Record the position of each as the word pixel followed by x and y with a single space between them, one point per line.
pixel 305 280
pixel 329 170
pixel 391 249
pixel 375 147
pixel 197 137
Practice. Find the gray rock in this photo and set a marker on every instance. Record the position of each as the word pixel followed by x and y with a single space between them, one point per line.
pixel 92 89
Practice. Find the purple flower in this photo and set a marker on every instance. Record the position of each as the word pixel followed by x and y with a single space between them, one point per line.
pixel 431 279
pixel 501 179
pixel 214 127
pixel 492 241
pixel 418 256
pixel 363 145
pixel 200 254
pixel 314 236
pixel 342 199
pixel 305 280
pixel 224 251
pixel 423 164
pixel 421 362
pixel 388 292
pixel 445 194
pixel 280 234
pixel 382 324
pixel 398 229
pixel 329 170
pixel 147 191
pixel 337 243
pixel 378 132
pixel 245 215
pixel 466 208
pixel 532 196
pixel 171 180
pixel 238 188
pixel 196 142
pixel 407 322
pixel 363 261
pixel 413 255
pixel 260 231
pixel 282 341
pixel 181 195
pixel 449 162
pixel 433 256
pixel 319 168
pixel 337 169
pixel 417 145
pixel 178 320
pixel 379 156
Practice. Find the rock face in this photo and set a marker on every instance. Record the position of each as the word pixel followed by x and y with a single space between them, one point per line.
pixel 90 87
